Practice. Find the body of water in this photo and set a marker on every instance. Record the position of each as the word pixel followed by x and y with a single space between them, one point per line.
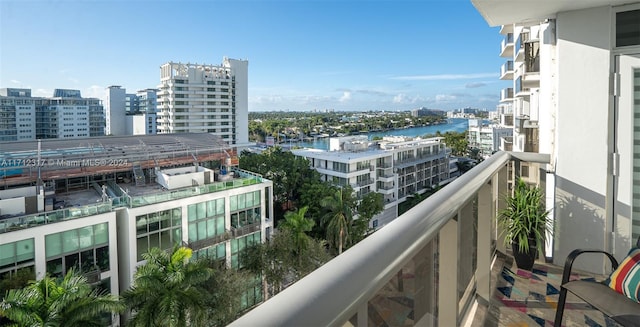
pixel 452 125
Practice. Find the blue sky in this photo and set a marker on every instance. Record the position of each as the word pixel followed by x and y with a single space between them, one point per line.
pixel 303 55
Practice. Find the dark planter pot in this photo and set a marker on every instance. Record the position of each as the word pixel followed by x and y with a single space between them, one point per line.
pixel 525 260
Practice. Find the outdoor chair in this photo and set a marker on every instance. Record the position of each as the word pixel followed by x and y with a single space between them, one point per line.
pixel 622 308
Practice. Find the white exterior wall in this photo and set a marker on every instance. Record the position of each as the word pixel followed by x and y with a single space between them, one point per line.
pixel 26 120
pixel 240 69
pixel 582 132
pixel 114 105
pixel 127 224
pixel 39 233
pixel 197 105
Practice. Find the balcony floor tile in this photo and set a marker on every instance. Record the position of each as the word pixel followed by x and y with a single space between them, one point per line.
pixel 523 298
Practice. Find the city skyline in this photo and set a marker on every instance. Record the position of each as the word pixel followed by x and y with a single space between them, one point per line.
pixel 355 55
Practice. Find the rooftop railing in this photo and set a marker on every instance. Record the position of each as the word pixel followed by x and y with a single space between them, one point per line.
pixel 246 178
pixel 28 221
pixel 432 263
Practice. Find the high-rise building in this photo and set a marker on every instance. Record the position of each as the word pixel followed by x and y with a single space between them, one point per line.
pixel 574 72
pixel 17 115
pixel 130 114
pixel 205 98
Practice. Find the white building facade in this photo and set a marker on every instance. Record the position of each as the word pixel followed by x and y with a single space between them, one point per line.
pixel 395 167
pixel 487 138
pixel 17 115
pixel 130 114
pixel 205 99
pixel 575 69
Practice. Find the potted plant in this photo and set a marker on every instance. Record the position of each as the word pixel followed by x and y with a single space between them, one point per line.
pixel 524 223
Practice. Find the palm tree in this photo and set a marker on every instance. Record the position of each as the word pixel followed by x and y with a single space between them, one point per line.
pixel 338 219
pixel 70 302
pixel 167 290
pixel 298 225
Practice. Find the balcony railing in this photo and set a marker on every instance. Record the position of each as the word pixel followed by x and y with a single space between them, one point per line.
pixel 506 94
pixel 437 256
pixel 22 222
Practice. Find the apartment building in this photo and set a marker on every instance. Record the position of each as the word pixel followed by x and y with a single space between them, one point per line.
pixel 396 167
pixel 65 115
pixel 17 115
pixel 487 138
pixel 130 113
pixel 575 73
pixel 202 98
pixel 99 205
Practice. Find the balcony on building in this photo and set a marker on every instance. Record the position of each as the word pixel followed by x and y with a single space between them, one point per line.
pixel 518 47
pixel 505 29
pixel 506 46
pixel 506 70
pixel 506 94
pixel 431 267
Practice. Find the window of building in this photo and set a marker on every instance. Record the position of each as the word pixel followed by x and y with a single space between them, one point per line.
pixel 158 230
pixel 216 252
pixel 206 220
pixel 83 249
pixel 340 167
pixel 240 244
pixel 628 28
pixel 16 255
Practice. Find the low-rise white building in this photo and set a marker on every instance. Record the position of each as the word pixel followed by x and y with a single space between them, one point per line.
pixel 98 206
pixel 396 167
pixel 487 138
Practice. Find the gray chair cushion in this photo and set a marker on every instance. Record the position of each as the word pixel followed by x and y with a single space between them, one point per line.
pixel 608 301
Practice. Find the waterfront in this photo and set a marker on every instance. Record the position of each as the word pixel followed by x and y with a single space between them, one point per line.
pixel 452 125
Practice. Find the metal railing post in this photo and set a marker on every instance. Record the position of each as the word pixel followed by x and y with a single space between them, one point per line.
pixel 448 274
pixel 485 252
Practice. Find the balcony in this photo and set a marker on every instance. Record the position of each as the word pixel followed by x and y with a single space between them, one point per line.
pixel 506 46
pixel 506 71
pixel 506 94
pixel 433 266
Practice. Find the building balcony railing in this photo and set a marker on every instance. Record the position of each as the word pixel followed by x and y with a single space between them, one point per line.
pixel 506 71
pixel 28 221
pixel 245 179
pixel 244 230
pixel 200 244
pixel 506 94
pixel 506 46
pixel 437 256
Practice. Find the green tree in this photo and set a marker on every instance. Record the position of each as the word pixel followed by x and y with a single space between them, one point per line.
pixel 370 205
pixel 69 302
pixel 168 289
pixel 338 217
pixel 298 226
pixel 280 261
pixel 224 288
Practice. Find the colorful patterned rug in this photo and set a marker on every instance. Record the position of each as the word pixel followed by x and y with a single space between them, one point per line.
pixel 530 298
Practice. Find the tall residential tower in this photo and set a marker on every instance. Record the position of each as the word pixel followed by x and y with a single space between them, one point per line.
pixel 199 98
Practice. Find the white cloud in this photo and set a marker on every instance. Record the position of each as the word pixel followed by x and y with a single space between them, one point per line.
pixel 15 81
pixel 42 93
pixel 445 98
pixel 405 99
pixel 346 96
pixel 94 91
pixel 443 77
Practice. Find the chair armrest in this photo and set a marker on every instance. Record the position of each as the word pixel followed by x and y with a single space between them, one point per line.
pixel 566 274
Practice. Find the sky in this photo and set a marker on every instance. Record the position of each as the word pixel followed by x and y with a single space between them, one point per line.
pixel 303 54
